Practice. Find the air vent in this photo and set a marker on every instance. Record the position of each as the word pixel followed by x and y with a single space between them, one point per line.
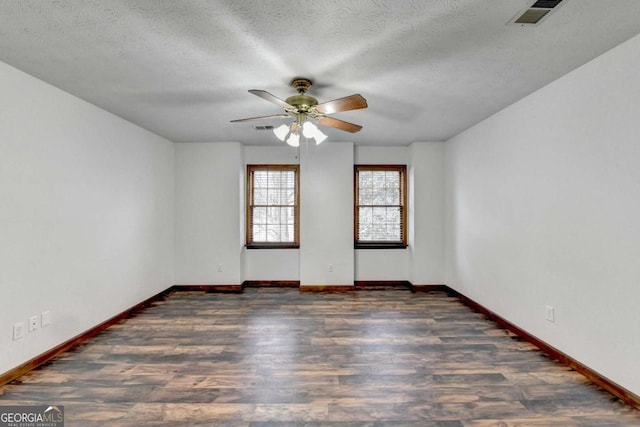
pixel 546 4
pixel 532 16
pixel 267 127
pixel 535 13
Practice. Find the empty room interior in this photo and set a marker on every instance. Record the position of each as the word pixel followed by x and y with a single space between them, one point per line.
pixel 346 212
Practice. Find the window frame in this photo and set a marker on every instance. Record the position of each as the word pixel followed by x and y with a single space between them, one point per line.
pixel 380 244
pixel 249 193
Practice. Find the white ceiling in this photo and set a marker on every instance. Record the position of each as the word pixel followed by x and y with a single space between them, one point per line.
pixel 428 69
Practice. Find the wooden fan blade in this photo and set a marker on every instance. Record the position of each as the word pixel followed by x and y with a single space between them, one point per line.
pixel 271 98
pixel 339 124
pixel 352 102
pixel 274 116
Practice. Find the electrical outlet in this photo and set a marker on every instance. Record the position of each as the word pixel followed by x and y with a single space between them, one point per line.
pixel 330 268
pixel 34 323
pixel 45 317
pixel 551 313
pixel 18 331
pixel 219 268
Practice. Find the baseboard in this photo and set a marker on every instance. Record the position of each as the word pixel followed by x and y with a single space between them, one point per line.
pixel 238 288
pixel 69 344
pixel 209 288
pixel 370 285
pixel 327 288
pixel 430 288
pixel 271 284
pixel 617 390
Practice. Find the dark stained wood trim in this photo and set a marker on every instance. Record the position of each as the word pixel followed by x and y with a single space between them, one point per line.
pixel 273 246
pixel 380 245
pixel 249 196
pixel 327 288
pixel 432 288
pixel 366 285
pixel 209 288
pixel 402 169
pixel 271 284
pixel 69 344
pixel 617 390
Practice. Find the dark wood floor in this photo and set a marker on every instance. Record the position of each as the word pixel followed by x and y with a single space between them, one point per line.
pixel 277 357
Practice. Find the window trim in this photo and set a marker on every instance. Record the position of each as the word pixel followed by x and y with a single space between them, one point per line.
pixel 380 244
pixel 249 243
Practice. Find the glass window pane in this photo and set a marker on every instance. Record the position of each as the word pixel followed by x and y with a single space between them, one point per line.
pixel 392 178
pixel 393 215
pixel 378 228
pixel 259 215
pixel 365 197
pixel 289 178
pixel 274 178
pixel 290 233
pixel 392 196
pixel 393 232
pixel 289 197
pixel 365 178
pixel 378 196
pixel 273 215
pixel 366 220
pixel 273 197
pixel 259 196
pixel 259 232
pixel 287 215
pixel 273 232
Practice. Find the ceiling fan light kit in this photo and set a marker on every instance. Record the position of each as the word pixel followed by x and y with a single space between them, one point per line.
pixel 294 140
pixel 306 110
pixel 309 130
pixel 281 132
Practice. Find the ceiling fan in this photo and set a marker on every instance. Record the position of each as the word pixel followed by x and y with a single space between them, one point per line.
pixel 306 110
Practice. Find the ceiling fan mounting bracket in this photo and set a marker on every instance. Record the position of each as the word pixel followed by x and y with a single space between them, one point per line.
pixel 301 84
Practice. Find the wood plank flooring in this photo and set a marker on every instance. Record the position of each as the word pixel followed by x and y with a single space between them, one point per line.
pixel 278 357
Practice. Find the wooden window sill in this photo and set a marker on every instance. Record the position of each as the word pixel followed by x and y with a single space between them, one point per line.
pixel 272 246
pixel 380 245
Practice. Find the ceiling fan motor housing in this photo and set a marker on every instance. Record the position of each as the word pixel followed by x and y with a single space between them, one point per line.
pixel 302 102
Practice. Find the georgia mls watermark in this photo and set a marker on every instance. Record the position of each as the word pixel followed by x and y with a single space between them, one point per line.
pixel 32 416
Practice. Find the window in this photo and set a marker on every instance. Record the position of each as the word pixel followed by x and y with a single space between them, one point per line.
pixel 380 206
pixel 272 206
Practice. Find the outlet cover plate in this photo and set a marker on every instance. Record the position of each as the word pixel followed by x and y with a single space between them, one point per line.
pixel 551 313
pixel 46 318
pixel 18 331
pixel 34 323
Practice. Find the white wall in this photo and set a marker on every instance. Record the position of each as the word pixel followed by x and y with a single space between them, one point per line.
pixel 86 214
pixel 209 213
pixel 543 207
pixel 326 214
pixel 426 213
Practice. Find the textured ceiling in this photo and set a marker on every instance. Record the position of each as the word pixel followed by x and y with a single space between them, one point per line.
pixel 429 69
